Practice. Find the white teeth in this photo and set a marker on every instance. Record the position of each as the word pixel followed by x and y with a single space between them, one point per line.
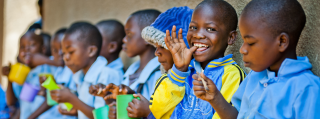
pixel 199 45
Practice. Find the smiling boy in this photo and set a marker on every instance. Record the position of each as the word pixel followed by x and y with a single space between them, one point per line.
pixel 210 32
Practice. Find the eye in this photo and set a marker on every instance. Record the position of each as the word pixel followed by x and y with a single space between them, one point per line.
pixel 251 44
pixel 192 27
pixel 211 29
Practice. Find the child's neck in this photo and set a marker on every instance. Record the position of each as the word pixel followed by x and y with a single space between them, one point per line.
pixel 145 57
pixel 87 67
pixel 112 58
pixel 276 66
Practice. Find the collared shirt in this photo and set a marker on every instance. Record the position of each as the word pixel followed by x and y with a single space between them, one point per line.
pixel 147 79
pixel 97 73
pixel 294 93
pixel 117 65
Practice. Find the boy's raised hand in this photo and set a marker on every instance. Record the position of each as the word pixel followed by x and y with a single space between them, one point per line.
pixel 180 53
pixel 199 89
pixel 98 90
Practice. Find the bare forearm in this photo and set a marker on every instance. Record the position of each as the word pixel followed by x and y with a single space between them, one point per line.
pixel 84 108
pixel 223 108
pixel 11 99
pixel 44 107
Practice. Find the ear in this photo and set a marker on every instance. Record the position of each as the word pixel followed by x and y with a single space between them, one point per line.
pixel 283 40
pixel 93 50
pixel 232 37
pixel 112 46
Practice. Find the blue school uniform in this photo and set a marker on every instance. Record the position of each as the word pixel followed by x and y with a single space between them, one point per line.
pixel 294 93
pixel 27 108
pixel 98 73
pixel 4 110
pixel 118 66
pixel 146 82
pixel 63 75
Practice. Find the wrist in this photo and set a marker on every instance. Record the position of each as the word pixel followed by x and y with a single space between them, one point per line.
pixel 182 68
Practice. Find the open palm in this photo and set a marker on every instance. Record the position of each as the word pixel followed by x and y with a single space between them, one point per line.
pixel 180 53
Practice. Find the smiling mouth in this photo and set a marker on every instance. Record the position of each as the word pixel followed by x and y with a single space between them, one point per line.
pixel 200 47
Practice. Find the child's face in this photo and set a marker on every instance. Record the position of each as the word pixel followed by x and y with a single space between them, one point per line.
pixel 209 31
pixel 56 50
pixel 22 49
pixel 32 45
pixel 133 43
pixel 164 57
pixel 75 53
pixel 259 48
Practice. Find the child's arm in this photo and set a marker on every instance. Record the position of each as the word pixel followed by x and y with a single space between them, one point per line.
pixel 181 54
pixel 214 97
pixel 65 95
pixel 43 107
pixel 11 98
pixel 34 60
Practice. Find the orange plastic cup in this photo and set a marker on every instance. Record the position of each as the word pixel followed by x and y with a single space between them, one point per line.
pixel 18 73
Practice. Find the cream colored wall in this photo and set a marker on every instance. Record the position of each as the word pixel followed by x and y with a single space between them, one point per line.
pixel 18 15
pixel 61 13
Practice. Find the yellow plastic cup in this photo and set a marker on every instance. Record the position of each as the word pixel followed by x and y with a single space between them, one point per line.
pixel 19 73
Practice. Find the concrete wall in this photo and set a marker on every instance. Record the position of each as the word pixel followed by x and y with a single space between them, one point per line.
pixel 61 13
pixel 17 16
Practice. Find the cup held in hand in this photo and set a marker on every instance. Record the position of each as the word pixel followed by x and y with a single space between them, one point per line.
pixel 122 104
pixel 101 113
pixel 29 92
pixel 18 73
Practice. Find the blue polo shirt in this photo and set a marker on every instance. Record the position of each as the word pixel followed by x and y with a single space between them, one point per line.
pixel 97 73
pixel 294 93
pixel 118 66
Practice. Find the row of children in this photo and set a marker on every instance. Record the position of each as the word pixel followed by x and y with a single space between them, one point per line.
pixel 197 81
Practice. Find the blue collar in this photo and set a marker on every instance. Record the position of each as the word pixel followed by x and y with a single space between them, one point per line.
pixel 95 69
pixel 288 68
pixel 116 63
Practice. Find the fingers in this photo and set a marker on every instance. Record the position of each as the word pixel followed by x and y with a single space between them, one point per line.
pixel 209 81
pixel 199 93
pixel 193 49
pixel 110 96
pixel 92 90
pixel 174 34
pixel 195 76
pixel 180 35
pixel 168 40
pixel 139 96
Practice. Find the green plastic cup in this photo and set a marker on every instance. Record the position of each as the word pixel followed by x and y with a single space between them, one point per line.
pixel 50 102
pixel 50 84
pixel 122 104
pixel 101 113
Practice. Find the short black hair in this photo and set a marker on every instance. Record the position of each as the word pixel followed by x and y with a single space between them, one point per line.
pixel 88 33
pixel 229 14
pixel 146 17
pixel 46 42
pixel 280 16
pixel 33 36
pixel 115 31
pixel 60 31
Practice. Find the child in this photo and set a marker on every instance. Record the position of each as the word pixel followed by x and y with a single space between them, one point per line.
pixel 46 42
pixel 81 47
pixel 62 75
pixel 280 85
pixel 155 34
pixel 209 35
pixel 32 42
pixel 112 32
pixel 147 66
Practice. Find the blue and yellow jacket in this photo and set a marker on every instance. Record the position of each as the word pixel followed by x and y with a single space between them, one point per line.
pixel 173 96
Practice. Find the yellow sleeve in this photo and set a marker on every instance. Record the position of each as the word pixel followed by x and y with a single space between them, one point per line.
pixel 231 79
pixel 165 98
